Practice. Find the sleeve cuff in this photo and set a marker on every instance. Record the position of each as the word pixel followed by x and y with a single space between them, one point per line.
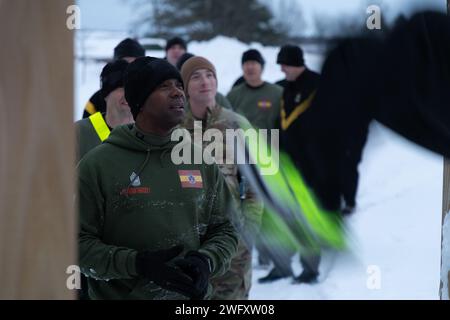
pixel 210 259
pixel 131 263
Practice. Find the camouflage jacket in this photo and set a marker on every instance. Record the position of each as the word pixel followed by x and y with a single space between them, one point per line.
pixel 250 205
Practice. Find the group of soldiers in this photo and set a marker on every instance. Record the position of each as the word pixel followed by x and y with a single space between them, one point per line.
pixel 150 229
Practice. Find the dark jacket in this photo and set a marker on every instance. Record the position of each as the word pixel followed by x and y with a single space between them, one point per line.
pixel 296 130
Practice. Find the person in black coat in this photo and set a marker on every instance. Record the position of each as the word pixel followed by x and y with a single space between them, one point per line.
pixel 401 80
pixel 295 122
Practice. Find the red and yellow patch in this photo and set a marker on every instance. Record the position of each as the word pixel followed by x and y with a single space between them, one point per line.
pixel 264 104
pixel 190 178
pixel 133 190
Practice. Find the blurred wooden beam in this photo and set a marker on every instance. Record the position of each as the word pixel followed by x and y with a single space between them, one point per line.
pixel 444 237
pixel 444 290
pixel 37 218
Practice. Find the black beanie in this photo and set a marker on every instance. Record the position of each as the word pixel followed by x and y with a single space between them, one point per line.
pixel 143 76
pixel 291 55
pixel 253 55
pixel 176 40
pixel 128 48
pixel 111 77
pixel 183 59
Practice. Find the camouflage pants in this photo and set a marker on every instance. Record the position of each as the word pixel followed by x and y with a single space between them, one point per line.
pixel 236 282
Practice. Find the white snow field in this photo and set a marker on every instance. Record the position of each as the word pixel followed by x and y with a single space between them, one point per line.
pixel 395 234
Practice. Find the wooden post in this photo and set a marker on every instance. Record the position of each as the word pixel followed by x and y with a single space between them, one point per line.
pixel 445 237
pixel 37 217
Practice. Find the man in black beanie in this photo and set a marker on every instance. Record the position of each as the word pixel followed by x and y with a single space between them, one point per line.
pixel 259 101
pixel 93 130
pixel 128 49
pixel 175 48
pixel 256 99
pixel 143 76
pixel 291 55
pixel 249 55
pixel 151 228
pixel 253 55
pixel 183 59
pixel 296 123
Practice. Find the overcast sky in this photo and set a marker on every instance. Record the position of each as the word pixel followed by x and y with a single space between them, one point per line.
pixel 118 14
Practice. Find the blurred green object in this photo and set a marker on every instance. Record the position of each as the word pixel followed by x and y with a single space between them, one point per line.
pixel 296 217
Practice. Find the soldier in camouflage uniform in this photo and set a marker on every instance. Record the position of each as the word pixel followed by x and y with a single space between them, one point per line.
pixel 200 83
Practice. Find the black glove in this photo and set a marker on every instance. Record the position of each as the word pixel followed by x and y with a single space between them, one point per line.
pixel 153 265
pixel 196 266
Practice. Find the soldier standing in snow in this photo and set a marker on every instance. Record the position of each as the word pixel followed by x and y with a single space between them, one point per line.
pixel 200 80
pixel 175 48
pixel 256 99
pixel 95 129
pixel 295 122
pixel 150 229
pixel 90 132
pixel 259 101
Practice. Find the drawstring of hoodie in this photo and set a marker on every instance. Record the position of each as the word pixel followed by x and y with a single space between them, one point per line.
pixel 142 167
pixel 138 172
pixel 163 153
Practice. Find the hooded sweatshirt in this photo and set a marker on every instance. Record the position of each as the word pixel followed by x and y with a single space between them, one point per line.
pixel 133 197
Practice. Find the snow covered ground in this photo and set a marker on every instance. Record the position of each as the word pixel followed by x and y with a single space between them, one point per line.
pixel 395 232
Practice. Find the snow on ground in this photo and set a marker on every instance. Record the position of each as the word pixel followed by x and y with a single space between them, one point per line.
pixel 395 232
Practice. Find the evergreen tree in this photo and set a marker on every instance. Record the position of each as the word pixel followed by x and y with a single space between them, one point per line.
pixel 246 20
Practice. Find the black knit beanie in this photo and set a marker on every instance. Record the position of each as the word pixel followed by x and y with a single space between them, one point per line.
pixel 183 59
pixel 176 40
pixel 253 55
pixel 291 55
pixel 143 76
pixel 111 77
pixel 128 48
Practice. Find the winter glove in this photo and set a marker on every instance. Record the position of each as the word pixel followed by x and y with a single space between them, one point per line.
pixel 198 267
pixel 153 266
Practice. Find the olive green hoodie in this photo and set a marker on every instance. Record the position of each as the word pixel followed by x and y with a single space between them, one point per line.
pixel 132 197
pixel 260 105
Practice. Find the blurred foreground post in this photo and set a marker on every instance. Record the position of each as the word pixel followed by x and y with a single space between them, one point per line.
pixel 37 219
pixel 445 238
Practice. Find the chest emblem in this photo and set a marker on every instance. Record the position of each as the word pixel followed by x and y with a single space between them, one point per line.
pixel 190 179
pixel 135 180
pixel 264 104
